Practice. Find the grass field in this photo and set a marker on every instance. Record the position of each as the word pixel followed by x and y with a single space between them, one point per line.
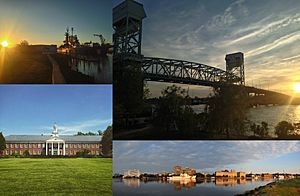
pixel 72 176
pixel 289 187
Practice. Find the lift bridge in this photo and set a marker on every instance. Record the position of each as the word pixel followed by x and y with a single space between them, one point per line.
pixel 127 24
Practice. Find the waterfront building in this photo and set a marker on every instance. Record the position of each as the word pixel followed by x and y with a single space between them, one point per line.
pixel 230 174
pixel 134 173
pixel 52 145
pixel 177 170
pixel 267 176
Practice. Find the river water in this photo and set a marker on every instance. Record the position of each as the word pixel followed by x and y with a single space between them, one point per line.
pixel 270 114
pixel 101 70
pixel 220 187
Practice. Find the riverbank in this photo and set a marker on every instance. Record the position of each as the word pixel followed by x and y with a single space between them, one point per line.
pixel 19 67
pixel 284 187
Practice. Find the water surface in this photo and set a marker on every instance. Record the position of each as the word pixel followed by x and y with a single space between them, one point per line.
pixel 226 187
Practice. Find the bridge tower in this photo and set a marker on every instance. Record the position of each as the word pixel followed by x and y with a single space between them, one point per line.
pixel 127 23
pixel 127 57
pixel 235 65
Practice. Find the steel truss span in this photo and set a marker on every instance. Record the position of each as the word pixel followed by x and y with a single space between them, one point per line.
pixel 179 71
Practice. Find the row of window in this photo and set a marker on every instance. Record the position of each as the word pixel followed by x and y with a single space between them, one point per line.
pixel 43 145
pixel 38 152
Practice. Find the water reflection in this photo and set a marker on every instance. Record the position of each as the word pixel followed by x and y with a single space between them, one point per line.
pixel 183 184
pixel 219 186
pixel 187 183
pixel 100 69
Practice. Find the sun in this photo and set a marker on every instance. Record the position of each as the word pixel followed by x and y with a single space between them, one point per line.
pixel 4 44
pixel 297 88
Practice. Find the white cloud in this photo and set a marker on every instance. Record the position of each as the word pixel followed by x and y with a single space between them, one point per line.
pixel 203 155
pixel 88 125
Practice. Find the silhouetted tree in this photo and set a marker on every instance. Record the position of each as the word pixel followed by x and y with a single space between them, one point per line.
pixel 170 107
pixel 282 129
pixel 226 110
pixel 24 43
pixel 2 143
pixel 107 142
pixel 260 130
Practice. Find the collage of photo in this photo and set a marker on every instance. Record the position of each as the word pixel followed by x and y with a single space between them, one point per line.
pixel 139 97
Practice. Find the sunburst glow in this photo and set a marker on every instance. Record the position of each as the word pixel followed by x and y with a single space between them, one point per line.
pixel 4 43
pixel 297 88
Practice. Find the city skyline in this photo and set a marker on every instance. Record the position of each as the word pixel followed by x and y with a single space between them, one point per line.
pixel 205 31
pixel 207 156
pixel 45 22
pixel 33 109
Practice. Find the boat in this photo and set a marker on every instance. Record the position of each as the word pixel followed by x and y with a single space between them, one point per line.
pixel 182 177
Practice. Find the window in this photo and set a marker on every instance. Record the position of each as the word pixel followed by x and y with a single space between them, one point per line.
pixel 16 152
pixel 30 145
pixel 43 145
pixel 11 145
pixel 67 145
pixel 39 152
pixel 21 152
pixel 92 145
pixel 21 145
pixel 83 145
pixel 26 145
pixel 88 146
pixel 16 145
pixel 7 145
pixel 39 145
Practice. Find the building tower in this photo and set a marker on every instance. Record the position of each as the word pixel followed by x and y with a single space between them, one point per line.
pixel 235 66
pixel 128 78
pixel 55 131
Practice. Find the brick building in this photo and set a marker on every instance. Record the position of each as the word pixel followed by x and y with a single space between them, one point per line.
pixel 54 144
pixel 230 174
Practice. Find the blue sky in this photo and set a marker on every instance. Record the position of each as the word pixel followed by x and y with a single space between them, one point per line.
pixel 33 109
pixel 46 21
pixel 267 32
pixel 207 156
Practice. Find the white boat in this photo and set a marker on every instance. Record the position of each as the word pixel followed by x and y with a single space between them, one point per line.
pixel 182 177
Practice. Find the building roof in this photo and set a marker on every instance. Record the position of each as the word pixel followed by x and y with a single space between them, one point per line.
pixel 43 138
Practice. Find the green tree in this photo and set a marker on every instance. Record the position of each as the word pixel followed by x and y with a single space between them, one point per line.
pixel 106 142
pixel 2 143
pixel 26 153
pixel 283 128
pixel 226 110
pixel 89 133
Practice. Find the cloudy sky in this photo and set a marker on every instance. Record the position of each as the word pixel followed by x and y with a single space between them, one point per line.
pixel 267 32
pixel 207 156
pixel 46 21
pixel 33 109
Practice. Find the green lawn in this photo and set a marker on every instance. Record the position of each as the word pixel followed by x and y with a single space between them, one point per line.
pixel 289 187
pixel 72 176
